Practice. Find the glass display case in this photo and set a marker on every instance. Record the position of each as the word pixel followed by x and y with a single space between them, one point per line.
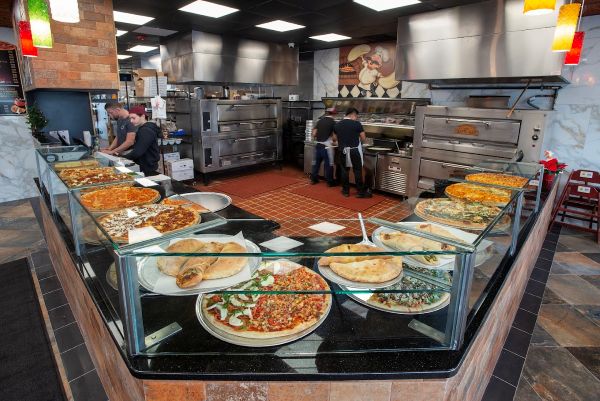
pixel 182 273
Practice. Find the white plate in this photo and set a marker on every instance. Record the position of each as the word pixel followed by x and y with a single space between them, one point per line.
pixel 149 275
pixel 446 262
pixel 212 201
pixel 255 342
pixel 334 277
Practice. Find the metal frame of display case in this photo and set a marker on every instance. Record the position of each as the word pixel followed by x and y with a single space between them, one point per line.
pixel 138 341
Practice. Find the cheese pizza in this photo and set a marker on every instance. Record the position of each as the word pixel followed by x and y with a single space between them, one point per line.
pixel 267 315
pixel 477 193
pixel 185 203
pixel 79 177
pixel 506 180
pixel 118 197
pixel 163 218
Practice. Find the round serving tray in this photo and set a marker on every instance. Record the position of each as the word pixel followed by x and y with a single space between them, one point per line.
pixel 148 273
pixel 362 298
pixel 212 201
pixel 335 278
pixel 255 342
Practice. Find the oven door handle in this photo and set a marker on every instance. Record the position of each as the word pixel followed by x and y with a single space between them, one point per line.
pixel 251 138
pixel 452 165
pixel 462 120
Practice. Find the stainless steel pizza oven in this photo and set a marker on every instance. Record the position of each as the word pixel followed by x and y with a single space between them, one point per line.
pixel 449 140
pixel 234 133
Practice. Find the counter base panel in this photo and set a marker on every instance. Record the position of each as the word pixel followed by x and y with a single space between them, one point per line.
pixel 468 383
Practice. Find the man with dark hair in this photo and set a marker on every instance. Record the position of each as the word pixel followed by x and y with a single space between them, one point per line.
pixel 323 134
pixel 349 134
pixel 125 137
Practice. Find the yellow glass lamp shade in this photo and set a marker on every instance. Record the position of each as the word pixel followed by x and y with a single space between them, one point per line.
pixel 566 27
pixel 39 19
pixel 538 7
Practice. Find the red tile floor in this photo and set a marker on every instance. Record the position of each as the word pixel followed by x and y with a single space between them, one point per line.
pixel 295 213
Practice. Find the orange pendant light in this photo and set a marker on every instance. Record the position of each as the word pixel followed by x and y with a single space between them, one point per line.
pixel 573 56
pixel 538 7
pixel 27 47
pixel 566 27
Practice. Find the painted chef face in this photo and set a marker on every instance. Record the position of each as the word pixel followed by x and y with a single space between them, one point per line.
pixel 374 62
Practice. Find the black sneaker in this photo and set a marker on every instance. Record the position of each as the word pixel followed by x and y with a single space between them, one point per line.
pixel 364 195
pixel 346 193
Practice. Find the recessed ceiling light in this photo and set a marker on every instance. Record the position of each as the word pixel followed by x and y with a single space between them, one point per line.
pixel 120 32
pixel 280 26
pixel 381 5
pixel 133 19
pixel 123 56
pixel 142 49
pixel 208 9
pixel 330 37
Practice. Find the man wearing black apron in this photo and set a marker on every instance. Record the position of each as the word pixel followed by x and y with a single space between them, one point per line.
pixel 323 134
pixel 349 134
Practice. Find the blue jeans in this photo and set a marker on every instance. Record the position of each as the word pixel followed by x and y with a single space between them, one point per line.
pixel 321 156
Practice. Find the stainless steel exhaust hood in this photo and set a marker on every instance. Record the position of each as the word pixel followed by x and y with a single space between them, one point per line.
pixel 487 42
pixel 199 57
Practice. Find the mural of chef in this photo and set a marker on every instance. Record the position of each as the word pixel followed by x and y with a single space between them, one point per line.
pixel 377 67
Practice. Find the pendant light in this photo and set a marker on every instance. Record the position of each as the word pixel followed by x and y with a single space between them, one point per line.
pixel 65 10
pixel 27 47
pixel 565 27
pixel 538 7
pixel 573 56
pixel 39 19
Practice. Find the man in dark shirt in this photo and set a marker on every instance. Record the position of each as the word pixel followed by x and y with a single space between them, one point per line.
pixel 349 134
pixel 125 137
pixel 323 134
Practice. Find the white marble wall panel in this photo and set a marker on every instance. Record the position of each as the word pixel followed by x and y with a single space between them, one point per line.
pixel 17 160
pixel 415 90
pixel 326 73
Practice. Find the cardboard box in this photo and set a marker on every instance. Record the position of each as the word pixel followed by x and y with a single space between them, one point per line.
pixel 180 165
pixel 183 175
pixel 166 157
pixel 145 82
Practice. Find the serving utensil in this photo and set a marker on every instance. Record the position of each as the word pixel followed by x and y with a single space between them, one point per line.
pixel 365 240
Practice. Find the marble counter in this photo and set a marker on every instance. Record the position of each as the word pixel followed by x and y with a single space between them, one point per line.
pixel 17 159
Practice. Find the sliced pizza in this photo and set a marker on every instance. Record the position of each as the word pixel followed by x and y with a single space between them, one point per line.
pixel 470 216
pixel 79 177
pixel 118 197
pixel 506 180
pixel 481 194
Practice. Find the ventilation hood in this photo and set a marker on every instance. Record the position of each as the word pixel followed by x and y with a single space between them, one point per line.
pixel 199 57
pixel 489 42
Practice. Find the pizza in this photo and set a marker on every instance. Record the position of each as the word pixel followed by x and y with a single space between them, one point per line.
pixel 412 302
pixel 405 242
pixel 506 180
pixel 76 164
pixel 79 177
pixel 185 203
pixel 470 216
pixel 189 271
pixel 477 193
pixel 259 315
pixel 118 197
pixel 362 268
pixel 163 218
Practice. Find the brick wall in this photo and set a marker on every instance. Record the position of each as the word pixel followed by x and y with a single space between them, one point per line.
pixel 84 55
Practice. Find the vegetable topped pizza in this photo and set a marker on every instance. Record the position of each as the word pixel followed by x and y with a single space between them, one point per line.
pixel 163 218
pixel 476 193
pixel 412 302
pixel 455 213
pixel 252 314
pixel 506 180
pixel 79 177
pixel 118 197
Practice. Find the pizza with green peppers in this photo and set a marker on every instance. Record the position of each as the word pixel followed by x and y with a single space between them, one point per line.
pixel 259 312
pixel 467 215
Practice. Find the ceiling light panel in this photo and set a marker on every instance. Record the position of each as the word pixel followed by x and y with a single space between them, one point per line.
pixel 382 5
pixel 123 56
pixel 330 37
pixel 120 32
pixel 208 9
pixel 133 19
pixel 148 30
pixel 280 26
pixel 141 49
